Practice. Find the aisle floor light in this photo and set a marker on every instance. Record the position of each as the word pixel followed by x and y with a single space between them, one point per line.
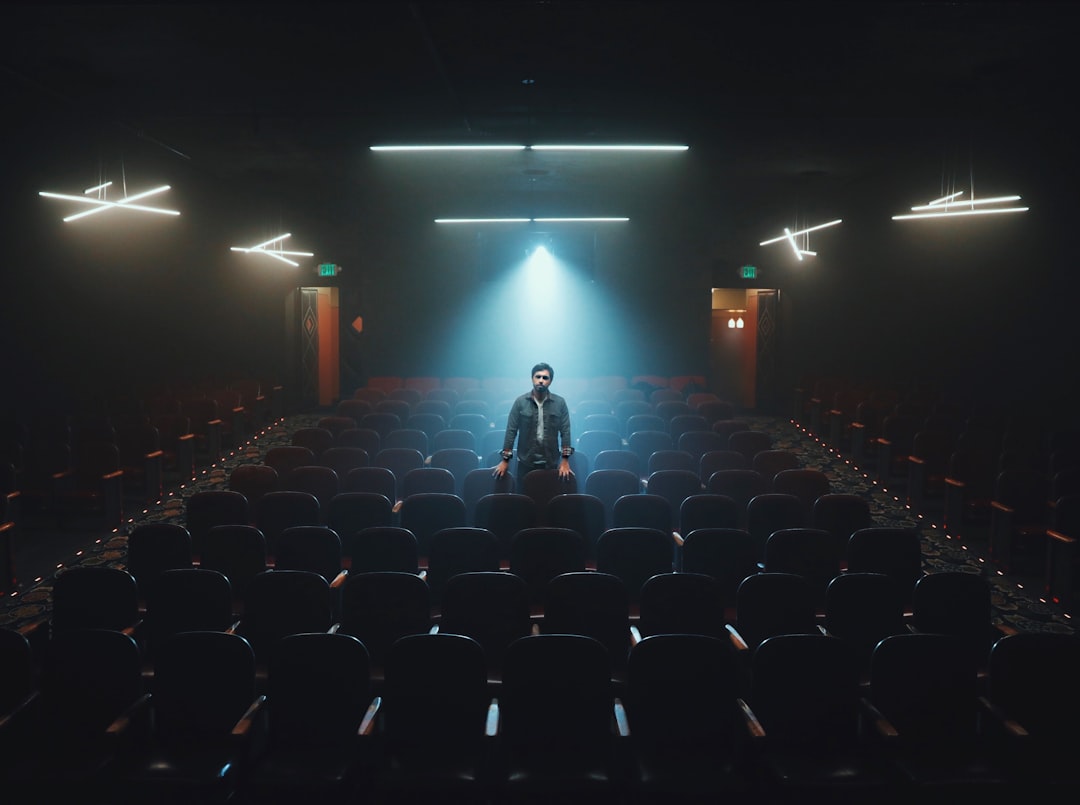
pixel 790 236
pixel 269 248
pixel 100 202
pixel 953 206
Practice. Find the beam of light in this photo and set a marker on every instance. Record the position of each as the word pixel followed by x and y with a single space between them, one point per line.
pixel 596 219
pixel 277 253
pixel 101 204
pixel 800 232
pixel 574 323
pixel 448 147
pixel 95 188
pixel 952 206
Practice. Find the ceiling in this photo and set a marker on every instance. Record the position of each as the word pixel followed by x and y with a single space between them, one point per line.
pixel 285 99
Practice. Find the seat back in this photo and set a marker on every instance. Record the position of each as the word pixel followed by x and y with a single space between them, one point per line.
pixel 318 689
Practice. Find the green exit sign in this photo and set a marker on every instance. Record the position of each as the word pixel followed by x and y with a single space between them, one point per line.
pixel 328 270
pixel 749 272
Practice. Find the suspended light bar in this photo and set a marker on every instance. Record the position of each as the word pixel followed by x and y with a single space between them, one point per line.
pixel 790 236
pixel 610 147
pixel 580 220
pixel 482 220
pixel 102 204
pixel 448 147
pixel 539 147
pixel 946 207
pixel 277 252
pixel 609 219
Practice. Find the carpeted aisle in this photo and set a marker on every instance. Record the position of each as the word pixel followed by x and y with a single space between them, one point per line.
pixel 1014 606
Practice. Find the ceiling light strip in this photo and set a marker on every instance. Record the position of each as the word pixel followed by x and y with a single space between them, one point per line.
pixel 593 219
pixel 538 147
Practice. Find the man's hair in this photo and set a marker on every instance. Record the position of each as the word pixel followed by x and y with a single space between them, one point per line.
pixel 541 366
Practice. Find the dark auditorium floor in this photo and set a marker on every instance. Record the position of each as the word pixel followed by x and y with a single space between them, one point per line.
pixel 42 547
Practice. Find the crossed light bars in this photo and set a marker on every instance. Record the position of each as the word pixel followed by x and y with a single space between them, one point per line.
pixel 790 236
pixel 268 248
pixel 101 204
pixel 946 207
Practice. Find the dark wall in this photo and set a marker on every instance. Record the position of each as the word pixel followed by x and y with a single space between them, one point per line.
pixel 982 305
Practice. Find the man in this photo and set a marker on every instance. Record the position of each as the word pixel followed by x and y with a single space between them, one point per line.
pixel 540 422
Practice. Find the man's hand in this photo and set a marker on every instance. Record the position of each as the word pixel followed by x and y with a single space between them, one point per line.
pixel 500 468
pixel 564 469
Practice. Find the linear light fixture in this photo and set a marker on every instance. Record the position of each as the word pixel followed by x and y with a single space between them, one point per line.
pixel 628 147
pixel 267 247
pixel 790 236
pixel 952 206
pixel 602 220
pixel 448 147
pixel 538 147
pixel 101 203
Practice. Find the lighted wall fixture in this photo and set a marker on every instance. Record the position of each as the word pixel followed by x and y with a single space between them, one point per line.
pixel 953 206
pixel 735 323
pixel 595 220
pixel 100 202
pixel 269 248
pixel 790 236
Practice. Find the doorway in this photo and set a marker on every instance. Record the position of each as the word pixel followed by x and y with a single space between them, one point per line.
pixel 743 346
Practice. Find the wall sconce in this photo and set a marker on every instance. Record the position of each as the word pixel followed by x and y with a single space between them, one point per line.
pixel 735 320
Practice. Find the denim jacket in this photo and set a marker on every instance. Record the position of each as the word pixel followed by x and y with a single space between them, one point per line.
pixel 521 425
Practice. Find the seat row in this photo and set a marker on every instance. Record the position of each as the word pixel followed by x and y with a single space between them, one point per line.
pixel 686 723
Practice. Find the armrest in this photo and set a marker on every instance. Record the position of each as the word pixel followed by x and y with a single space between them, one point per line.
pixel 753 725
pixel 881 725
pixel 367 724
pixel 998 717
pixel 247 721
pixel 736 638
pixel 339 579
pixel 138 710
pixel 13 715
pixel 491 723
pixel 622 724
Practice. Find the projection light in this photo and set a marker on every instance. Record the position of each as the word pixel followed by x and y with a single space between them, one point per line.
pixel 594 220
pixel 268 248
pixel 101 204
pixel 541 147
pixel 953 206
pixel 790 236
